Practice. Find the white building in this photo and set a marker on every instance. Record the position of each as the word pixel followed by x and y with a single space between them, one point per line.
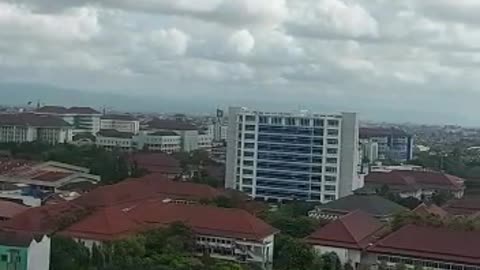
pixel 83 119
pixel 288 156
pixel 113 139
pixel 122 123
pixel 165 141
pixel 188 133
pixel 205 142
pixel 26 127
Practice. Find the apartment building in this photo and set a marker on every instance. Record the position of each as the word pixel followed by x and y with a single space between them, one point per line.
pixel 27 127
pixel 120 122
pixel 82 119
pixel 285 156
pixel 387 144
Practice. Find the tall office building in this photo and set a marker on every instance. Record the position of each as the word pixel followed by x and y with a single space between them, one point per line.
pixel 287 156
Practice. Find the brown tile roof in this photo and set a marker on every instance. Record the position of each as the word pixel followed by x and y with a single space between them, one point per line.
pixel 354 231
pixel 431 209
pixel 52 109
pixel 115 134
pixel 209 220
pixel 169 124
pixel 104 224
pixel 432 243
pixel 8 165
pixel 465 206
pixel 18 239
pixel 29 119
pixel 10 209
pixel 414 179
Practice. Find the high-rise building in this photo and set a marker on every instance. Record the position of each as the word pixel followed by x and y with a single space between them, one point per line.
pixel 392 143
pixel 285 156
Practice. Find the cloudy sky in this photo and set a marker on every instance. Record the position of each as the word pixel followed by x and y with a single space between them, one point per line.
pixel 398 60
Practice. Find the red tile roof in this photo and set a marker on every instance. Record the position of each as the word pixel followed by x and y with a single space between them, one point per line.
pixel 50 176
pixel 209 220
pixel 157 163
pixel 432 243
pixel 152 186
pixel 465 206
pixel 104 224
pixel 10 209
pixel 8 165
pixel 354 231
pixel 415 179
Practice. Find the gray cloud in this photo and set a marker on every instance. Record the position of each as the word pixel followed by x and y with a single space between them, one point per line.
pixel 401 60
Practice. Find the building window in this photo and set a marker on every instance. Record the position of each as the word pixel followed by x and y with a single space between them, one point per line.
pixel 331 169
pixel 305 122
pixel 330 188
pixel 250 127
pixel 4 257
pixel 263 120
pixel 318 122
pixel 332 151
pixel 332 160
pixel 329 197
pixel 332 141
pixel 250 118
pixel 329 178
pixel 290 121
pixel 332 132
pixel 249 136
pixel 276 120
pixel 333 123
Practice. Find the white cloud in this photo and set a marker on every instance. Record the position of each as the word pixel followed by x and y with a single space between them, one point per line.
pixel 242 42
pixel 172 40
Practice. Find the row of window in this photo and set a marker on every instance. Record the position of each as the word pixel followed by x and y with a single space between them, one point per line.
pixel 289 121
pixel 424 263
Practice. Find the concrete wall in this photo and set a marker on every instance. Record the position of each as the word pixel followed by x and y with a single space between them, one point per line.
pixel 231 147
pixel 39 255
pixel 348 155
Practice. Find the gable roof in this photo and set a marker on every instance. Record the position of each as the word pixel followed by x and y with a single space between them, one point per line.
pixel 431 209
pixel 64 110
pixel 208 220
pixel 410 179
pixel 465 206
pixel 372 204
pixel 29 119
pixel 432 243
pixel 120 117
pixel 104 224
pixel 157 163
pixel 113 133
pixel 353 231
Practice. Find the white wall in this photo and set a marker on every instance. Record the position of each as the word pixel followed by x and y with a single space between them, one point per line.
pixel 345 255
pixel 39 254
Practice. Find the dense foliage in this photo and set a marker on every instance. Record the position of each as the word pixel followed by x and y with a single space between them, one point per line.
pixel 455 222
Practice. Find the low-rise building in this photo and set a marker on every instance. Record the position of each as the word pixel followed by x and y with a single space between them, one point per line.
pixel 24 251
pixel 137 205
pixel 164 141
pixel 348 237
pixel 27 127
pixel 120 122
pixel 372 204
pixel 157 163
pixel 188 133
pixel 112 139
pixel 468 206
pixel 28 183
pixel 427 247
pixel 82 119
pixel 205 142
pixel 415 183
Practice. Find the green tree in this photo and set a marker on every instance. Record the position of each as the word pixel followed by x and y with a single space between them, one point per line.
pixel 292 254
pixel 68 254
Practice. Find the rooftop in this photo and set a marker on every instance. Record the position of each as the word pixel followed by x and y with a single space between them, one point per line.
pixel 374 205
pixel 121 117
pixel 464 206
pixel 33 120
pixel 163 133
pixel 112 133
pixel 157 162
pixel 380 132
pixel 18 239
pixel 64 110
pixel 10 209
pixel 432 243
pixel 411 179
pixel 169 124
pixel 432 209
pixel 355 231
